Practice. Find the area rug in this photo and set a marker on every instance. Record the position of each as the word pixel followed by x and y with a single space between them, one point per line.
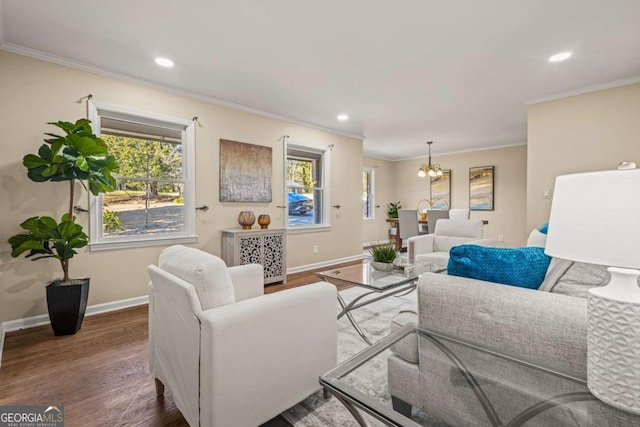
pixel 316 411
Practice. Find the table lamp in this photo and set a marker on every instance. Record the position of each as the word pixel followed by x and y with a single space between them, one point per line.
pixel 595 218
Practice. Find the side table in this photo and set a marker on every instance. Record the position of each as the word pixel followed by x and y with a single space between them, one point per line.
pixel 264 247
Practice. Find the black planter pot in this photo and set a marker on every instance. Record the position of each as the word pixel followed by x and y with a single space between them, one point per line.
pixel 67 303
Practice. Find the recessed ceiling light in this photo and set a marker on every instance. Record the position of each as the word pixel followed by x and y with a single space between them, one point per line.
pixel 559 56
pixel 164 62
pixel 343 117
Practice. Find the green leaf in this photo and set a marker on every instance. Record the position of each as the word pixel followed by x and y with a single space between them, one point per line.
pixel 82 164
pixel 50 171
pixel 45 153
pixel 65 126
pixel 36 174
pixel 31 161
pixel 92 147
pixel 56 146
pixel 53 135
pixel 64 251
pixel 31 224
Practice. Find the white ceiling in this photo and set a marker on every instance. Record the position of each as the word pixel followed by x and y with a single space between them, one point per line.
pixel 456 72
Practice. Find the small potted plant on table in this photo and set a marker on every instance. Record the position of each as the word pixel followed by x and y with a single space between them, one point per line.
pixel 383 257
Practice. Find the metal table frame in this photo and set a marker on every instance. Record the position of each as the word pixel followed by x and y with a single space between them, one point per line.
pixel 354 400
pixel 403 286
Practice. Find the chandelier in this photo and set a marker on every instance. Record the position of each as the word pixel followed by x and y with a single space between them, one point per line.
pixel 430 169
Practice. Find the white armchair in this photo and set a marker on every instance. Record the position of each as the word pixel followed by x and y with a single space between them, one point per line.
pixel 231 355
pixel 434 248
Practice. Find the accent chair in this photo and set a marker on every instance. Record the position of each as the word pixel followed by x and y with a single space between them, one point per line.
pixel 231 355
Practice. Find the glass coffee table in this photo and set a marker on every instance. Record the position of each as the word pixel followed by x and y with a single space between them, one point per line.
pixel 481 387
pixel 380 284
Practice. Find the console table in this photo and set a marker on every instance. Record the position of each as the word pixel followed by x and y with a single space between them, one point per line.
pixel 264 247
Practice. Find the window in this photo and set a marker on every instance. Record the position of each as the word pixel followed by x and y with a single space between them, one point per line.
pixel 306 186
pixel 154 200
pixel 368 179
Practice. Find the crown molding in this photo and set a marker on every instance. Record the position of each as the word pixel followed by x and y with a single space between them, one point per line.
pixel 585 90
pixel 38 54
pixel 470 150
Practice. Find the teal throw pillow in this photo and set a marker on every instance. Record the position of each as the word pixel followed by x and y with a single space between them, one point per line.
pixel 523 267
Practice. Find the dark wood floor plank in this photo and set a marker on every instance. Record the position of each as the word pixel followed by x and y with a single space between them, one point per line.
pixel 101 374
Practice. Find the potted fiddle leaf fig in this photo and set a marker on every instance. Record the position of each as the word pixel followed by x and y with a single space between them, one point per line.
pixel 76 156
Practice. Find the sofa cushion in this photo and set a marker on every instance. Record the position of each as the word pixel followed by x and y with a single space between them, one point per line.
pixel 206 272
pixel 406 348
pixel 439 258
pixel 523 267
pixel 579 278
pixel 536 238
pixel 445 243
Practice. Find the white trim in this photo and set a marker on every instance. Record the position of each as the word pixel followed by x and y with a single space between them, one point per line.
pixel 43 319
pixel 141 243
pixel 325 162
pixel 95 111
pixel 145 117
pixel 585 90
pixel 470 150
pixel 37 54
pixel 308 267
pixel 299 229
pixel 372 186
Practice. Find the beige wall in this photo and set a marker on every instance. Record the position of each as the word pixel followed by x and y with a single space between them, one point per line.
pixel 594 131
pixel 377 230
pixel 508 218
pixel 34 92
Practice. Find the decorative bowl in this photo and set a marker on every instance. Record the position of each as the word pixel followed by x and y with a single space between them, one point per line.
pixel 382 266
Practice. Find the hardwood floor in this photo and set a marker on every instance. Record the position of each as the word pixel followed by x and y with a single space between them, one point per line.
pixel 101 374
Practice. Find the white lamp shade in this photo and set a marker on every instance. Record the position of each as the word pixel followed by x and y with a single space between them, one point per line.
pixel 595 218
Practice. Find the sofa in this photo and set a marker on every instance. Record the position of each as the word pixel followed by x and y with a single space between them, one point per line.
pixel 546 326
pixel 230 355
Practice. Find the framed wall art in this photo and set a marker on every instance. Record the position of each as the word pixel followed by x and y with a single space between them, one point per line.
pixel 481 188
pixel 441 190
pixel 245 172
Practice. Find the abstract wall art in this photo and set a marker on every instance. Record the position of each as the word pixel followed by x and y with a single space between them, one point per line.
pixel 245 172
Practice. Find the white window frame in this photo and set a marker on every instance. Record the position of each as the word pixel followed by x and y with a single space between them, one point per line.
pixel 325 186
pixel 372 191
pixel 187 127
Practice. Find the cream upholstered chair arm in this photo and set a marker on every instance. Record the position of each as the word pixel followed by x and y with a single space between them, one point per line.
pixel 253 348
pixel 422 244
pixel 248 281
pixel 483 242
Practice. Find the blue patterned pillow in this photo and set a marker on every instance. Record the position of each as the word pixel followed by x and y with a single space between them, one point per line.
pixel 523 267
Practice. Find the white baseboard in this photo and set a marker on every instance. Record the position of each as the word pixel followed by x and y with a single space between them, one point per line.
pixel 43 319
pixel 323 264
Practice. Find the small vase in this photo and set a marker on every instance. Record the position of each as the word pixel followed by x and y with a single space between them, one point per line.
pixel 246 219
pixel 264 221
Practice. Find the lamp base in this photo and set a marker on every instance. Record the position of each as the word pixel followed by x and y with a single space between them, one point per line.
pixel 613 346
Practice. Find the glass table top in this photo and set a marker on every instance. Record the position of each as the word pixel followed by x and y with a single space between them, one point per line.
pixel 458 383
pixel 365 275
